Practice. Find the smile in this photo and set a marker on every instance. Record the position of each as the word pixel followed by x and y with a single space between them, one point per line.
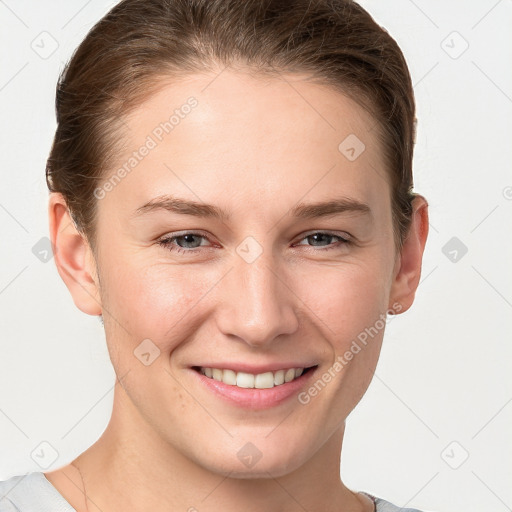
pixel 246 380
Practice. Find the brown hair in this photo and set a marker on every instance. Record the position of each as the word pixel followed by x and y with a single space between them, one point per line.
pixel 124 56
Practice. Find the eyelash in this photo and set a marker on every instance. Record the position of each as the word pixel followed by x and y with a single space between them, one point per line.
pixel 167 241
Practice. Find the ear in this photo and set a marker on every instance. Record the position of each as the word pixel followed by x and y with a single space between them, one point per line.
pixel 407 271
pixel 73 257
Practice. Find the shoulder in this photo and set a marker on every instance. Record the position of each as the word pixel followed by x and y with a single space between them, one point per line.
pixel 32 491
pixel 7 491
pixel 386 506
pixel 382 505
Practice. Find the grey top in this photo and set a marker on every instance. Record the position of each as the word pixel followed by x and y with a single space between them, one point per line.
pixel 31 492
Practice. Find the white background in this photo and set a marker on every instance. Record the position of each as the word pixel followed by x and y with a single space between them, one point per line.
pixel 442 390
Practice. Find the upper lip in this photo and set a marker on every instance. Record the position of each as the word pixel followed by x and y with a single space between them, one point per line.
pixel 254 369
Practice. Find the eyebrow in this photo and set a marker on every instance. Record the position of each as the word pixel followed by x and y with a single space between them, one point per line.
pixel 301 210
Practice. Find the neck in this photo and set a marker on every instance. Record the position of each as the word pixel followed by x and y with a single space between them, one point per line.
pixel 132 468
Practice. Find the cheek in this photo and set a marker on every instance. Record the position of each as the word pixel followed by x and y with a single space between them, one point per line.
pixel 345 299
pixel 156 301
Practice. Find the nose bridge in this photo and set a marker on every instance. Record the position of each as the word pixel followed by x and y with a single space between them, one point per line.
pixel 257 306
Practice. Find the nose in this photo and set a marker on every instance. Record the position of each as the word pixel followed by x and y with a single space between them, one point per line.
pixel 257 302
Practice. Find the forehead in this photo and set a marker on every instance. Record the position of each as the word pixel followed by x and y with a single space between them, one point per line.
pixel 252 138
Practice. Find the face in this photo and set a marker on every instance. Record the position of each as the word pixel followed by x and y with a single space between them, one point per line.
pixel 256 282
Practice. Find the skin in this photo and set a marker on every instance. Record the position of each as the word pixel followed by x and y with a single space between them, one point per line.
pixel 170 442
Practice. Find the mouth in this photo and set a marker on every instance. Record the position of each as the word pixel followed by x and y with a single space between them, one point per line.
pixel 245 380
pixel 254 391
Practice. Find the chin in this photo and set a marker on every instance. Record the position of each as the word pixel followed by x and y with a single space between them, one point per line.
pixel 256 465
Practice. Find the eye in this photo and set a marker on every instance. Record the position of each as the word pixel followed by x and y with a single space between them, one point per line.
pixel 190 242
pixel 319 236
pixel 186 242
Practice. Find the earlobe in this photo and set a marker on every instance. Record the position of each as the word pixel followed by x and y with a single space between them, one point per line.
pixel 73 257
pixel 408 272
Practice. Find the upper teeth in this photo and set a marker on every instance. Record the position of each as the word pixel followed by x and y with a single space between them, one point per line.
pixel 248 380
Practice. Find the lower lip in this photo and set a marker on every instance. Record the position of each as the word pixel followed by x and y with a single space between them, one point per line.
pixel 252 398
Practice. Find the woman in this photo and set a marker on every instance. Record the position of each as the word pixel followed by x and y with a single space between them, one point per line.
pixel 231 191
